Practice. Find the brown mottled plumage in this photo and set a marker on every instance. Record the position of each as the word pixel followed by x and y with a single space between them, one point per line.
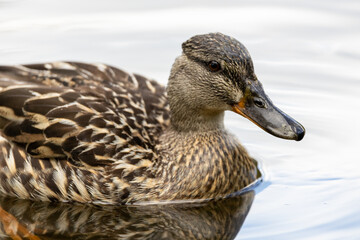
pixel 94 133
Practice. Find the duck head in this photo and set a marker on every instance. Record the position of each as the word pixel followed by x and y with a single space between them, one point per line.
pixel 215 73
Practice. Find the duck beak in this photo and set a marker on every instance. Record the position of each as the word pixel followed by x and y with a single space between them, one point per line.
pixel 256 106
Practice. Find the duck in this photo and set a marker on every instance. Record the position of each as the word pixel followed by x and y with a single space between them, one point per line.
pixel 93 133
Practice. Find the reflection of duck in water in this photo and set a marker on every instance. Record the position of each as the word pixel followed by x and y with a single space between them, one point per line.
pixel 45 220
pixel 93 133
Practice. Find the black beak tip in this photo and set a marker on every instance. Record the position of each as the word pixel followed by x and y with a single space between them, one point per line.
pixel 300 133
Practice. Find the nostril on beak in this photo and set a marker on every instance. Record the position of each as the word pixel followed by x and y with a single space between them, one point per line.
pixel 259 102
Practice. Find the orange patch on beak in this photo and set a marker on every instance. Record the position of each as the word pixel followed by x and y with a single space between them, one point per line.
pixel 239 106
pixel 238 109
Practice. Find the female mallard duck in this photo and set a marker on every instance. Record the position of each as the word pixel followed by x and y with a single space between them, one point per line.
pixel 94 133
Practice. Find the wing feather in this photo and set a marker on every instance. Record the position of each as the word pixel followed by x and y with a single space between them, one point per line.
pixel 90 114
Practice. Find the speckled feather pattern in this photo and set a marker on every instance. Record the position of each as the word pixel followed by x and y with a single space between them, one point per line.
pixel 75 131
pixel 224 166
pixel 216 45
pixel 94 133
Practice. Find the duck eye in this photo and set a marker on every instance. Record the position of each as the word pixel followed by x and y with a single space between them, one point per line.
pixel 214 66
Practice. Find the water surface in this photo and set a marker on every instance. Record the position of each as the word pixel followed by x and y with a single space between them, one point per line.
pixel 306 54
pixel 46 220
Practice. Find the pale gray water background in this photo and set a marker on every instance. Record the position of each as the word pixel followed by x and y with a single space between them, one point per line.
pixel 306 53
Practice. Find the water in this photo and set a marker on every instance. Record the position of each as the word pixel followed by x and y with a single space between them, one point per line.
pixel 212 220
pixel 307 55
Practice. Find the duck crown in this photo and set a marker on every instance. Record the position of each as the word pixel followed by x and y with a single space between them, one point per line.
pixel 217 46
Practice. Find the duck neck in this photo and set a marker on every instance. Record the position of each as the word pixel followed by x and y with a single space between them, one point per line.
pixel 194 121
